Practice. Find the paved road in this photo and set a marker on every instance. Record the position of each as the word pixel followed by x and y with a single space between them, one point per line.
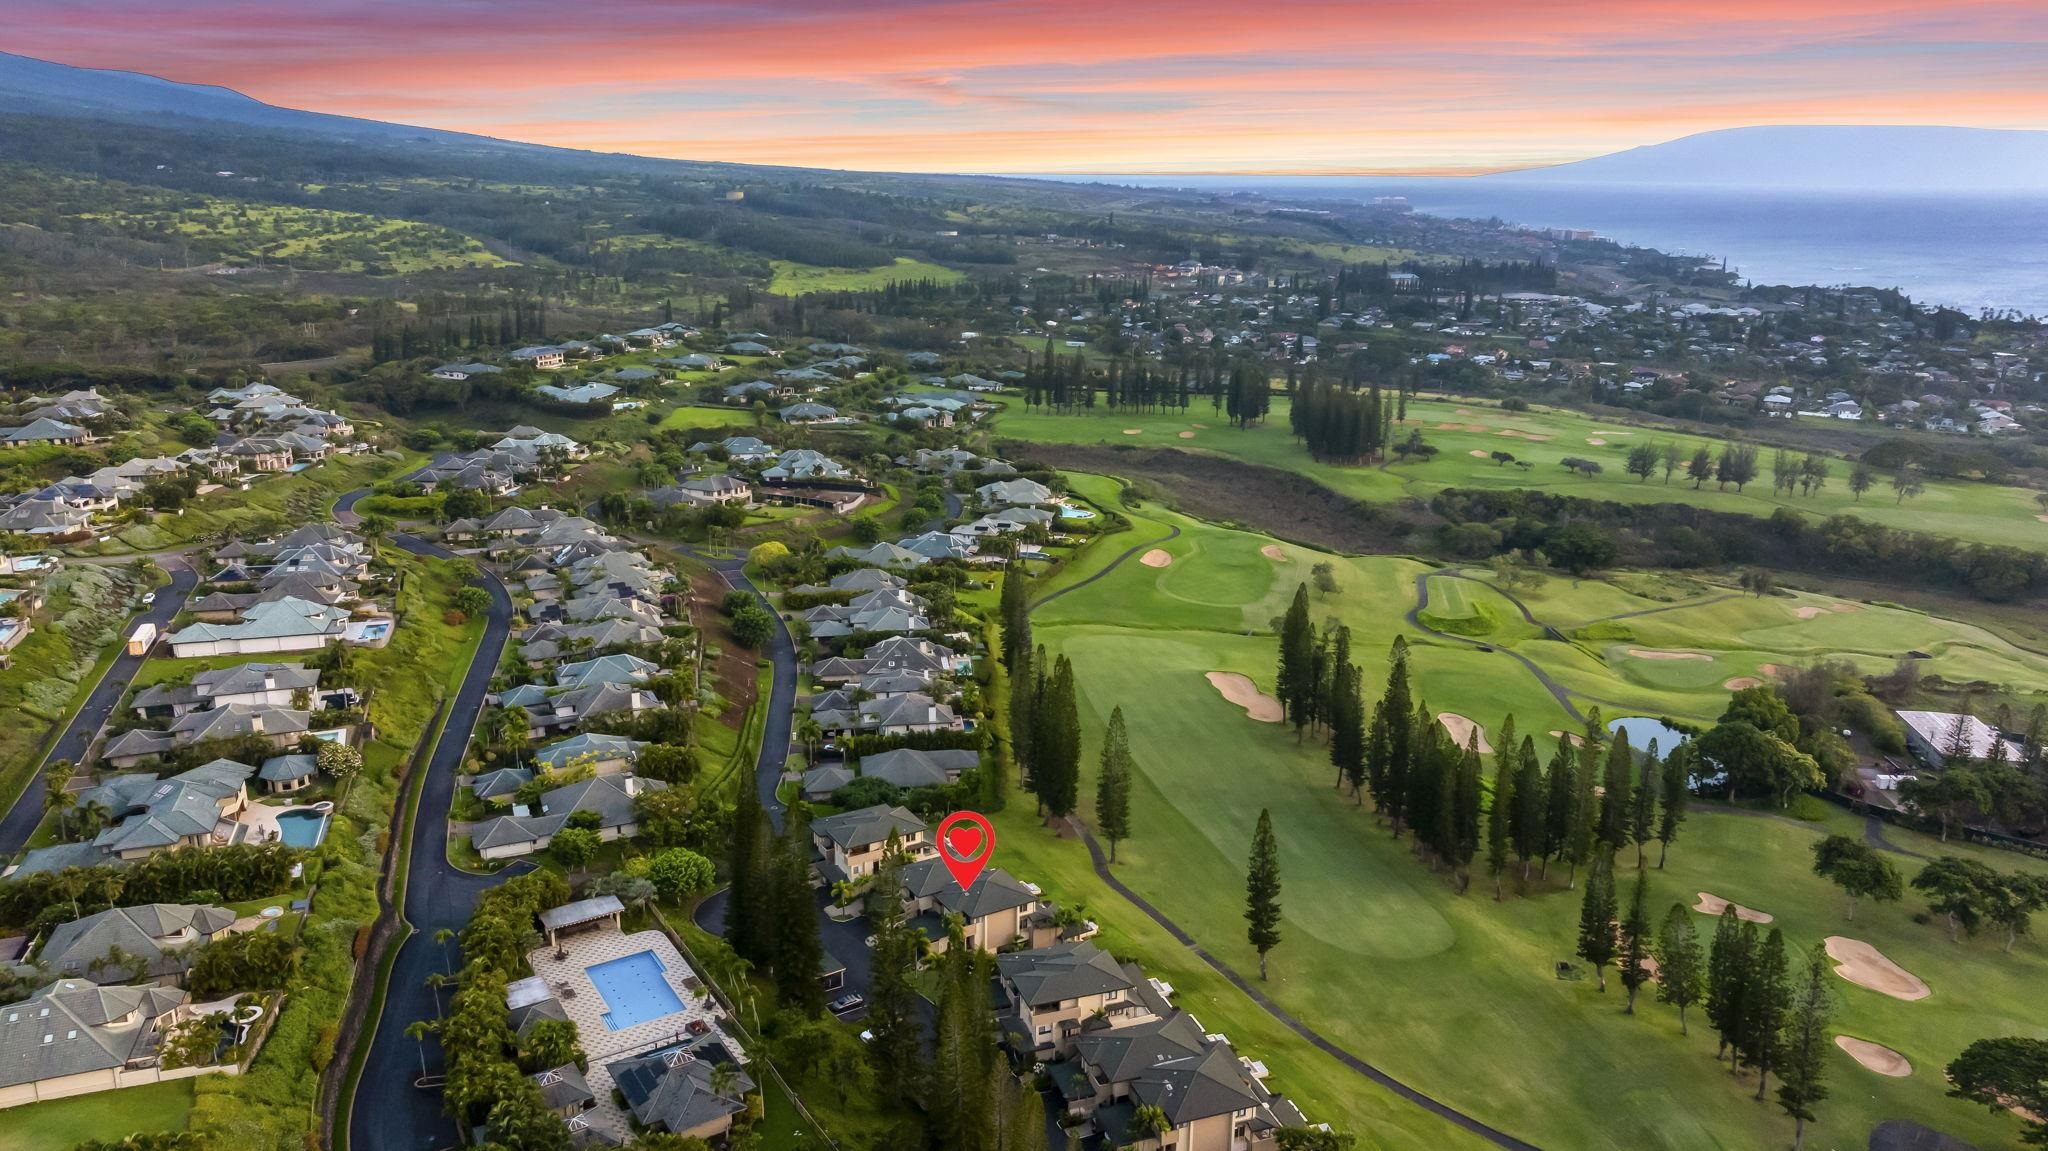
pixel 776 724
pixel 20 821
pixel 390 1112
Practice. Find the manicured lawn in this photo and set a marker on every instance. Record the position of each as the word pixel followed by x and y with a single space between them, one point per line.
pixel 1974 511
pixel 793 279
pixel 63 1123
pixel 1455 994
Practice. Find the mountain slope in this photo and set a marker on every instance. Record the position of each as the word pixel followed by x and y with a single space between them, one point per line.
pixel 1823 157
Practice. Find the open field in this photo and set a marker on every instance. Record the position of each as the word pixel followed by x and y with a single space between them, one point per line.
pixel 794 279
pixel 1982 512
pixel 1454 994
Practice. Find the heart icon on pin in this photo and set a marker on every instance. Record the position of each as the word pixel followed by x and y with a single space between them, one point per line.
pixel 966 844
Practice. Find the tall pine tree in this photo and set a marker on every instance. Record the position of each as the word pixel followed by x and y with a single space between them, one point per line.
pixel 1262 891
pixel 1676 784
pixel 1596 919
pixel 1803 1046
pixel 1113 784
pixel 1636 942
pixel 747 899
pixel 1681 965
pixel 1295 680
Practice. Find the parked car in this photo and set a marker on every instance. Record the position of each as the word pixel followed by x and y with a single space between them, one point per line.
pixel 148 597
pixel 846 1003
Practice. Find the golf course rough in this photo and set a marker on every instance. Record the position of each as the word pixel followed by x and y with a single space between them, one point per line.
pixel 1455 995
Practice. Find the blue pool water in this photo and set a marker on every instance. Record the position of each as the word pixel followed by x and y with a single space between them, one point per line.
pixel 1068 513
pixel 302 828
pixel 1642 729
pixel 635 990
pixel 376 630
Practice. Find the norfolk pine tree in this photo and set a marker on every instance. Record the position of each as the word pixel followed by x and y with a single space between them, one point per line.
pixel 1642 822
pixel 1765 1009
pixel 1617 780
pixel 1463 804
pixel 1729 967
pixel 1294 680
pixel 1397 710
pixel 1596 919
pixel 1681 967
pixel 1584 838
pixel 1348 735
pixel 1525 825
pixel 1803 1046
pixel 1262 891
pixel 1677 789
pixel 1635 940
pixel 1501 814
pixel 1560 796
pixel 1113 784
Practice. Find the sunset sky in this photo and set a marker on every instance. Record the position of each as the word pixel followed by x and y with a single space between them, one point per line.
pixel 1107 86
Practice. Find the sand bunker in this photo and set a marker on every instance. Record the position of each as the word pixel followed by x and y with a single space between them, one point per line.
pixel 1134 431
pixel 1245 694
pixel 1711 904
pixel 1463 428
pixel 1865 966
pixel 2043 519
pixel 1809 611
pixel 1570 737
pixel 1273 552
pixel 1646 653
pixel 1187 435
pixel 1156 558
pixel 1875 1057
pixel 1773 670
pixel 1461 411
pixel 1596 441
pixel 1742 683
pixel 1521 435
pixel 1845 607
pixel 1461 730
pixel 1480 454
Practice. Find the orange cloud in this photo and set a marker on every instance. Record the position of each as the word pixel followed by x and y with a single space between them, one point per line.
pixel 1063 85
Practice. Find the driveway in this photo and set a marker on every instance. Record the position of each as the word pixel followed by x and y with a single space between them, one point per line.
pixel 21 819
pixel 390 1112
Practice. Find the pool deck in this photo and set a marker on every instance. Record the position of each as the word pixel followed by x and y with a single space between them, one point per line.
pixel 586 1009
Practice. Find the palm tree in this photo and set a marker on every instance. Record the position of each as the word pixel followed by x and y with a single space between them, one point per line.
pixel 418 1030
pixel 92 815
pixel 725 1079
pixel 809 734
pixel 57 795
pixel 441 939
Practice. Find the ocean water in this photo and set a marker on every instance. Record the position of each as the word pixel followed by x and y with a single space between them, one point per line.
pixel 1967 251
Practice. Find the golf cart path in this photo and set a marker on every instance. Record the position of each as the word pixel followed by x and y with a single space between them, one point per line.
pixel 1172 533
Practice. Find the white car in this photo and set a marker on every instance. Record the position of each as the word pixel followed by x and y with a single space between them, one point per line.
pixel 148 597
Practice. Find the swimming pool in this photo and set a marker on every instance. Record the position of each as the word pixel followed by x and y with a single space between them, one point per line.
pixel 1073 513
pixel 301 828
pixel 635 989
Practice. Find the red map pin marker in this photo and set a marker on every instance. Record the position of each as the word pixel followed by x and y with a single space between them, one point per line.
pixel 966 844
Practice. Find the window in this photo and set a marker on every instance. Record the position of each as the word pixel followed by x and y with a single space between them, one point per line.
pixel 1045 1030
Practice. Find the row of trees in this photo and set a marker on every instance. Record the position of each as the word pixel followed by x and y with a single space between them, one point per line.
pixel 1045 725
pixel 484 1079
pixel 1768 1017
pixel 1341 424
pixel 225 874
pixel 770 919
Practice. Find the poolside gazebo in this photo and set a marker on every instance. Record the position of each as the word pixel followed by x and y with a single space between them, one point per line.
pixel 583 913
